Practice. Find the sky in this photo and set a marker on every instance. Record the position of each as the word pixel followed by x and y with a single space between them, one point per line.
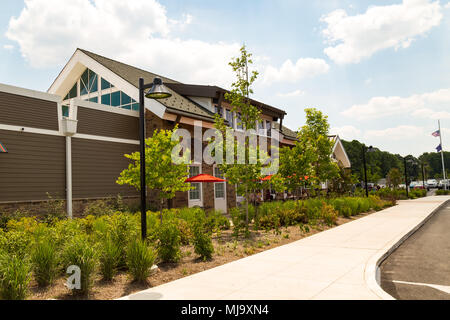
pixel 380 70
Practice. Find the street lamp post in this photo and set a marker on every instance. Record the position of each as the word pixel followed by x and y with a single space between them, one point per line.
pixel 370 149
pixel 157 91
pixel 406 179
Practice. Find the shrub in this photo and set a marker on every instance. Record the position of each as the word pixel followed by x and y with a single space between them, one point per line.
pixel 44 261
pixel 15 275
pixel 80 252
pixel 110 253
pixel 328 214
pixel 442 192
pixel 140 259
pixel 202 242
pixel 99 208
pixel 169 242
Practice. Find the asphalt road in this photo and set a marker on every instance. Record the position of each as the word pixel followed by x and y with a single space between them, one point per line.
pixel 420 268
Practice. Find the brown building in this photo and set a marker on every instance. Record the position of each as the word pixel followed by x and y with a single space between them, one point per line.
pixel 70 141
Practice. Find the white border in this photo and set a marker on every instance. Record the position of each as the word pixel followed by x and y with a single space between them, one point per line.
pixel 73 69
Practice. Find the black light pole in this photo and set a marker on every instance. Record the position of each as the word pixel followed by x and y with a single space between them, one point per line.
pixel 406 179
pixel 157 91
pixel 423 176
pixel 370 149
pixel 365 171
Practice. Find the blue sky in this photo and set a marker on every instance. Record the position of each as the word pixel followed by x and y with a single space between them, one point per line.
pixel 379 69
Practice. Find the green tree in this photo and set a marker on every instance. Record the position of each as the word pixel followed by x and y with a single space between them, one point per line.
pixel 394 177
pixel 161 175
pixel 245 175
pixel 314 141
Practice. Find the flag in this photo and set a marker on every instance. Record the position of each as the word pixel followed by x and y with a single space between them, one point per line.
pixel 439 148
pixel 436 134
pixel 3 148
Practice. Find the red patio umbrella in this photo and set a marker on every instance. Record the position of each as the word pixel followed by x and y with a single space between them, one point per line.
pixel 204 178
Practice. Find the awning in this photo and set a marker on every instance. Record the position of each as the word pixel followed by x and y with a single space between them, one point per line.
pixel 204 178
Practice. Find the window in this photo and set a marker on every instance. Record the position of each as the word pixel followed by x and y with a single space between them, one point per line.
pixel 194 194
pixel 219 110
pixel 239 124
pixel 105 84
pixel 65 111
pixel 94 99
pixel 260 128
pixel 115 99
pixel 72 93
pixel 106 99
pixel 88 82
pixel 269 128
pixel 219 187
pixel 230 118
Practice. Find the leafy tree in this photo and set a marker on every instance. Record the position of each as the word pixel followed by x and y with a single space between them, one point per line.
pixel 161 175
pixel 245 175
pixel 394 177
pixel 313 140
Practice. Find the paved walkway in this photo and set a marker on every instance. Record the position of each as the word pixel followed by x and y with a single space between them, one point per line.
pixel 339 263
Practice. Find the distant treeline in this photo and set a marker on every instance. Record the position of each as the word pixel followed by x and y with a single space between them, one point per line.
pixel 379 163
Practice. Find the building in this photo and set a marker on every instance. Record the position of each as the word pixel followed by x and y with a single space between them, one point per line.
pixel 70 141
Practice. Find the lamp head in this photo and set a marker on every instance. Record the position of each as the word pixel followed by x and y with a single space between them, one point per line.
pixel 158 90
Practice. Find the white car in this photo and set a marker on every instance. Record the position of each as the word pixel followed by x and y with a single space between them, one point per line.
pixel 444 183
pixel 432 183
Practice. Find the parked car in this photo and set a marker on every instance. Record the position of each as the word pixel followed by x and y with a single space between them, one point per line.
pixel 421 185
pixel 402 186
pixel 432 183
pixel 444 183
pixel 413 184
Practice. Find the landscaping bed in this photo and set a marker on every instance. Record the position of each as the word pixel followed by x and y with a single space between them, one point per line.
pixel 181 245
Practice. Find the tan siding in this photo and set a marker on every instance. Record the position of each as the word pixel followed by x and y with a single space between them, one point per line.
pixel 108 124
pixel 96 167
pixel 35 164
pixel 28 112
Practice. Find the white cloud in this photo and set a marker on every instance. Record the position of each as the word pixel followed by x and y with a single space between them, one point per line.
pixel 422 105
pixel 396 133
pixel 137 32
pixel 296 93
pixel 353 38
pixel 346 132
pixel 428 113
pixel 290 72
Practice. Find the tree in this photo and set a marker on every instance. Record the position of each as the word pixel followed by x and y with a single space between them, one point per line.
pixel 394 177
pixel 247 175
pixel 162 175
pixel 313 140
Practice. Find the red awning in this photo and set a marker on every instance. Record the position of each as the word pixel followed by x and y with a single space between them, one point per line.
pixel 204 178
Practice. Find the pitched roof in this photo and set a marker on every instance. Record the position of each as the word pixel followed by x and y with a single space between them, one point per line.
pixel 288 133
pixel 132 74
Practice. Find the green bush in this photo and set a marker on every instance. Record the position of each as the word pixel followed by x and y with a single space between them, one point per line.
pixel 98 208
pixel 110 254
pixel 202 242
pixel 82 253
pixel 442 192
pixel 169 242
pixel 15 275
pixel 140 259
pixel 44 260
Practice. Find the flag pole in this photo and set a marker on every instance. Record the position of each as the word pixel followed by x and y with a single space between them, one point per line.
pixel 442 155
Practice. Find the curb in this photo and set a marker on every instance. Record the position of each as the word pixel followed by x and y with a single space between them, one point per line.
pixel 372 269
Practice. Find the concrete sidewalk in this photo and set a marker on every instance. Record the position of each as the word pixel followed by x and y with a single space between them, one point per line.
pixel 339 263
